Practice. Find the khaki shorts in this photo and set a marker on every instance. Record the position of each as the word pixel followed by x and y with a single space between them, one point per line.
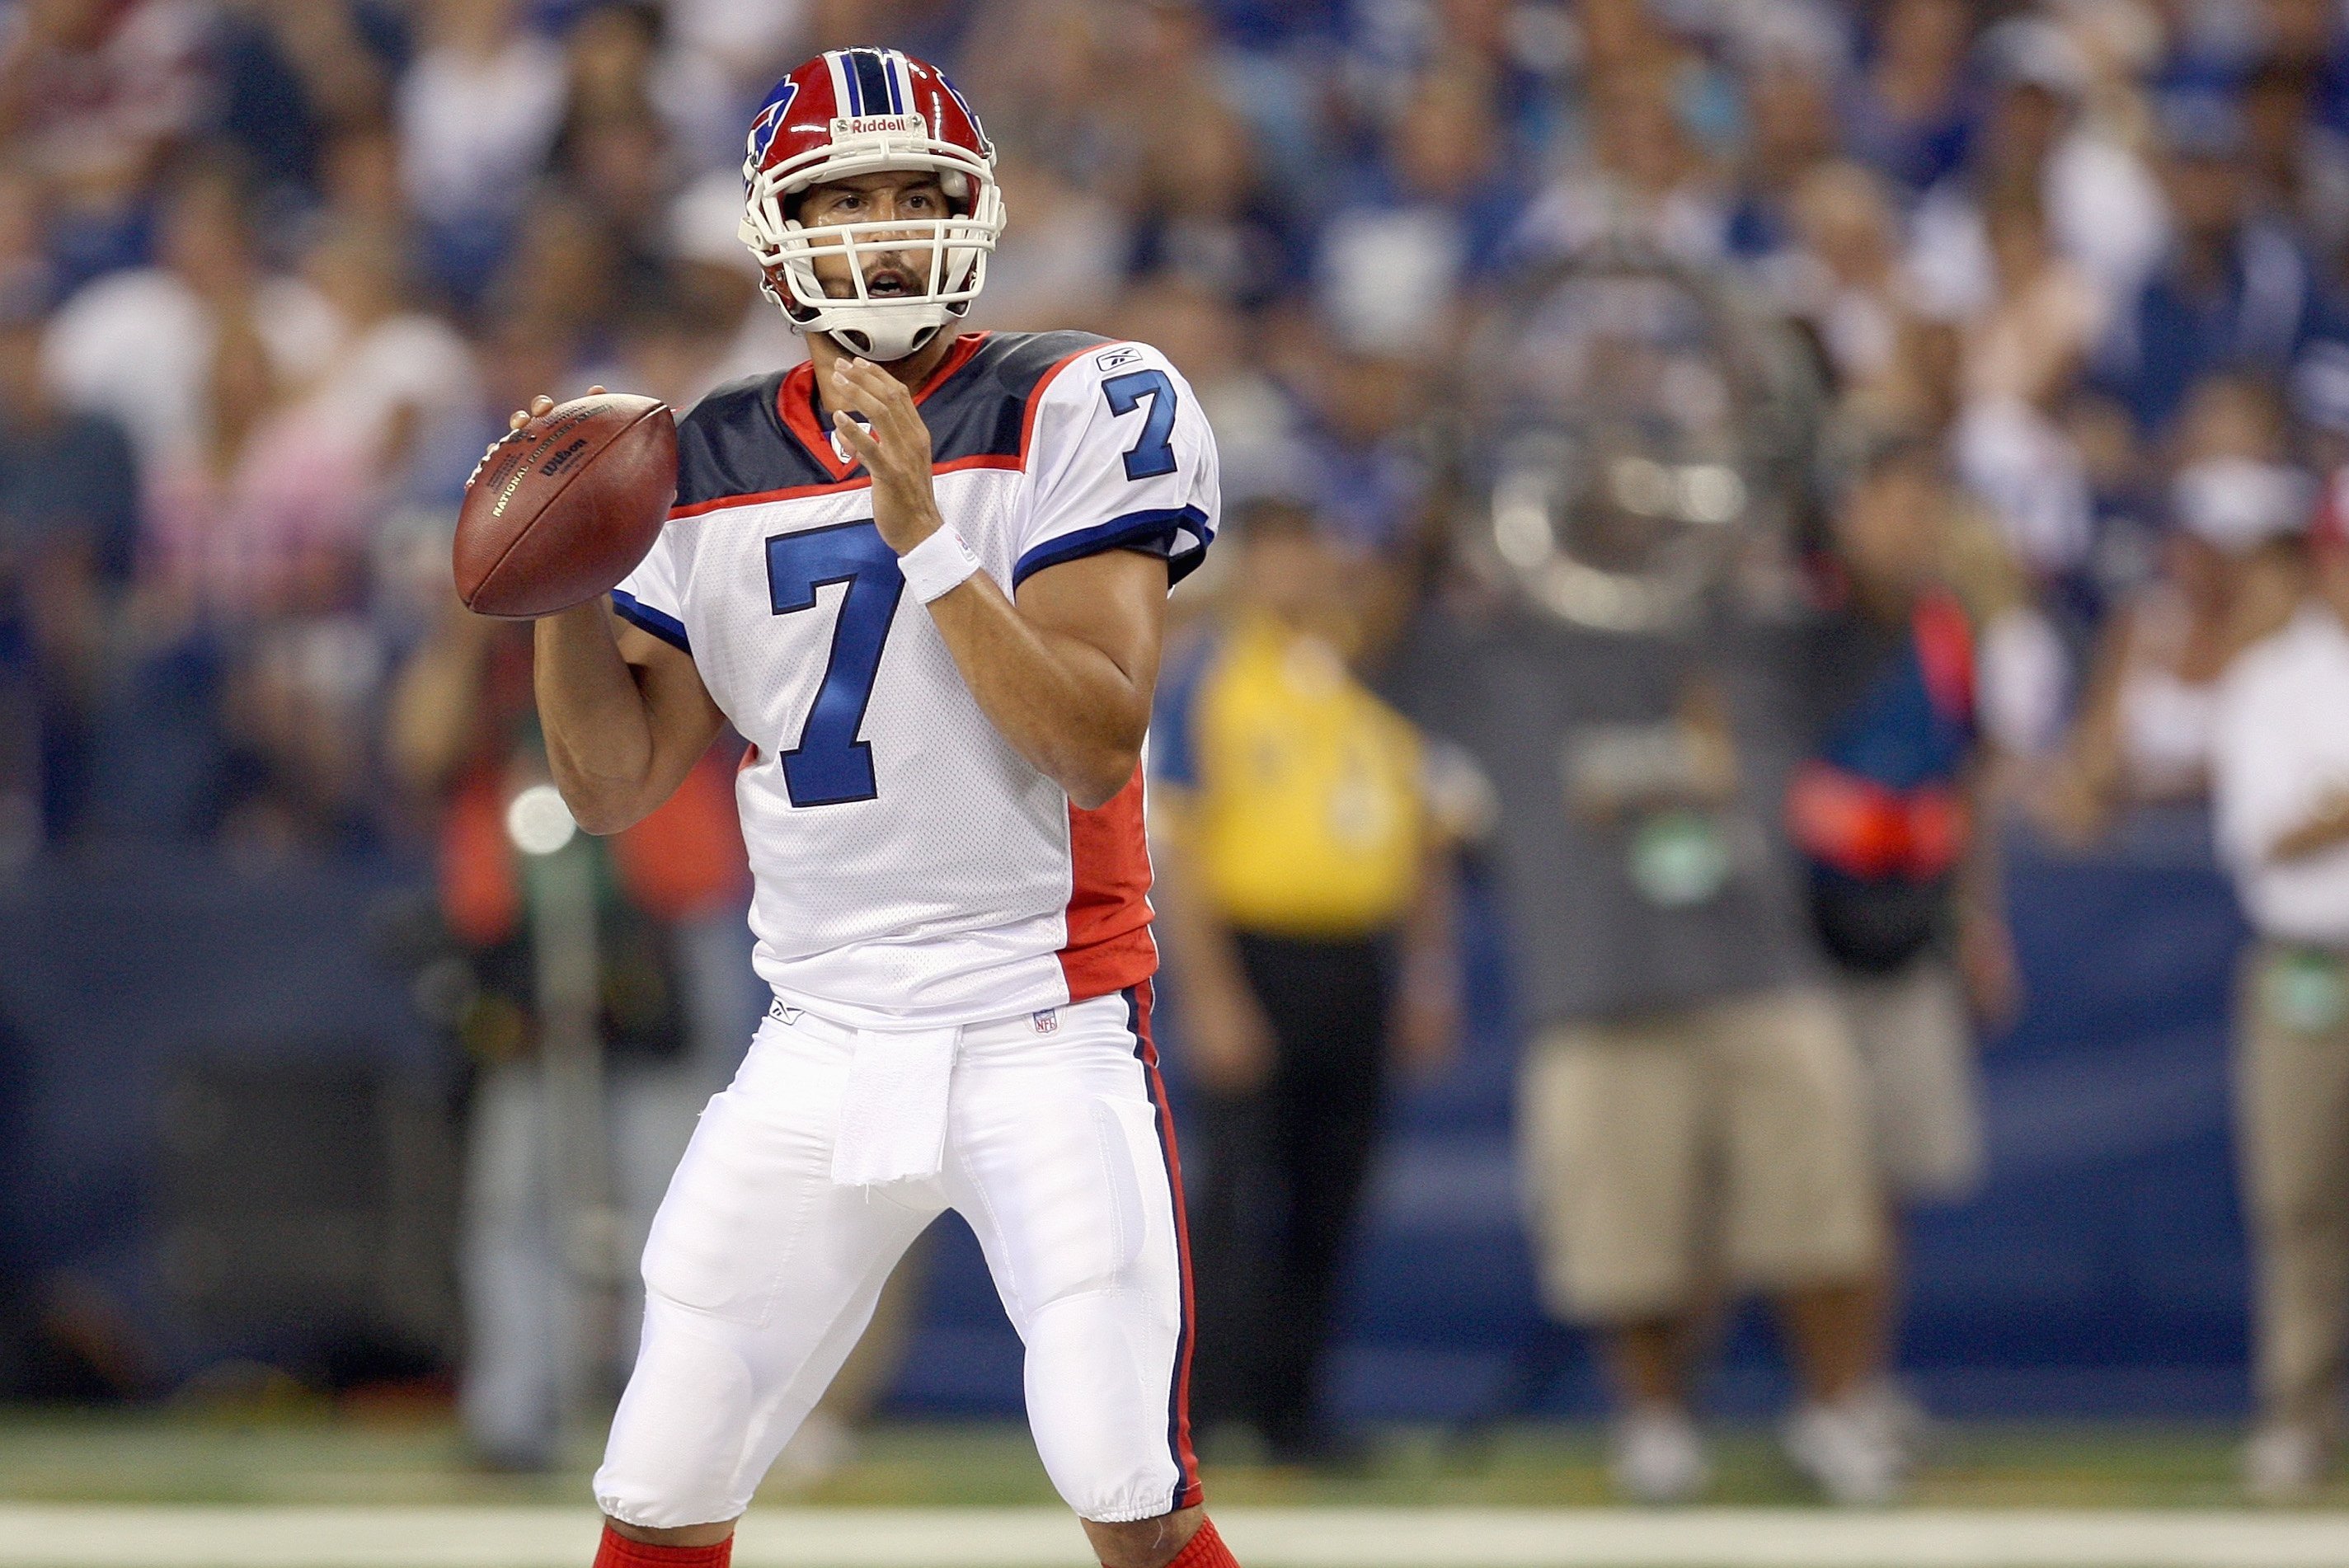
pixel 1924 1104
pixel 1719 1145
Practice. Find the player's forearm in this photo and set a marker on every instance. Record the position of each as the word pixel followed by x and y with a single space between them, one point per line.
pixel 1064 705
pixel 600 737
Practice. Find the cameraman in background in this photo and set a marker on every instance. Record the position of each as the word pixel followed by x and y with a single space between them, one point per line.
pixel 1691 1112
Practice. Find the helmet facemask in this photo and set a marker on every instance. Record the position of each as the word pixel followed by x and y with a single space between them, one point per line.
pixel 955 247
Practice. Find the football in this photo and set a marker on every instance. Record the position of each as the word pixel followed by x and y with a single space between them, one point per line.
pixel 562 509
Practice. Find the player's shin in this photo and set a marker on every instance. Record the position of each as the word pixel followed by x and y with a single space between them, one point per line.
pixel 1143 1543
pixel 618 1551
pixel 1205 1549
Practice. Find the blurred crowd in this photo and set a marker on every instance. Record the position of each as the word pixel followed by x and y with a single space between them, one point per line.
pixel 2073 275
pixel 270 271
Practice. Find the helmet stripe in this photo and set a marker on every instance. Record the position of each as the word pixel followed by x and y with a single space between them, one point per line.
pixel 842 83
pixel 872 79
pixel 893 65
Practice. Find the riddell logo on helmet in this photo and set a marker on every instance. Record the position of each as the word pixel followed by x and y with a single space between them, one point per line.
pixel 870 124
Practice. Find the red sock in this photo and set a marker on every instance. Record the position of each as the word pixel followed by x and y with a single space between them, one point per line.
pixel 618 1551
pixel 1205 1549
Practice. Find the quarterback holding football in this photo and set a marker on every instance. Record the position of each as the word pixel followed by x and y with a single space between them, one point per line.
pixel 924 574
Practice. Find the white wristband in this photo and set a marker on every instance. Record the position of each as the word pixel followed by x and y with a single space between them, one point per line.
pixel 939 564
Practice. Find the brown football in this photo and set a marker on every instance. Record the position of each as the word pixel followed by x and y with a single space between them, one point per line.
pixel 564 508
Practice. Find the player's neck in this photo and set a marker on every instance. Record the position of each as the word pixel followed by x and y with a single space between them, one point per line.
pixel 912 370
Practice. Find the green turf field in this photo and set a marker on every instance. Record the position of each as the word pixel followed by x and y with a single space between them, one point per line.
pixel 301 1456
pixel 301 1487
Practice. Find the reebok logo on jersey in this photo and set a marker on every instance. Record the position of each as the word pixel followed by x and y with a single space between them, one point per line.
pixel 1125 355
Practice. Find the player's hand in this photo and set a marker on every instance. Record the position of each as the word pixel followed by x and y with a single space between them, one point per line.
pixel 896 452
pixel 1228 1041
pixel 540 407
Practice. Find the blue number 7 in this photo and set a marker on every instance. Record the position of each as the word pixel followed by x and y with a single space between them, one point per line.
pixel 829 766
pixel 1154 454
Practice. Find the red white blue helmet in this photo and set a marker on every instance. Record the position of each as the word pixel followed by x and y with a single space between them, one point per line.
pixel 862 111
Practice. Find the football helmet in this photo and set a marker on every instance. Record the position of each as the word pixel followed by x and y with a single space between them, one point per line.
pixel 862 111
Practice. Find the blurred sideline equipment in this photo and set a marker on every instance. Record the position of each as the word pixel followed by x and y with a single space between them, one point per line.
pixel 564 508
pixel 1633 429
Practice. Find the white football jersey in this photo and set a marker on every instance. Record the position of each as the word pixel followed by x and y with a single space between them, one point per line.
pixel 911 869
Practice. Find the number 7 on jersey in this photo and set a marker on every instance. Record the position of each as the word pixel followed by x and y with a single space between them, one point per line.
pixel 829 767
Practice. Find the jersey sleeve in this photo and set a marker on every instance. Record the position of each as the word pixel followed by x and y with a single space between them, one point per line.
pixel 647 597
pixel 1123 461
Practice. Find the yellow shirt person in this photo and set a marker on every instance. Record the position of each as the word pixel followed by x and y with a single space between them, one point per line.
pixel 1301 792
pixel 1308 941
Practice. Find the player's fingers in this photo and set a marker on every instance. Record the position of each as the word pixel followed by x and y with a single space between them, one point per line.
pixel 854 438
pixel 595 391
pixel 521 417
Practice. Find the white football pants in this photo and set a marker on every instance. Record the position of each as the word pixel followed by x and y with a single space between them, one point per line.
pixel 760 1273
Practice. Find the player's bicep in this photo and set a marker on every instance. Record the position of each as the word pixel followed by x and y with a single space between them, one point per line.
pixel 683 716
pixel 1114 603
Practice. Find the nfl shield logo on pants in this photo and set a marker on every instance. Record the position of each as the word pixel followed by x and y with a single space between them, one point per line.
pixel 1047 1021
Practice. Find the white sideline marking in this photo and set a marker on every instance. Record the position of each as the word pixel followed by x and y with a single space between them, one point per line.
pixel 79 1536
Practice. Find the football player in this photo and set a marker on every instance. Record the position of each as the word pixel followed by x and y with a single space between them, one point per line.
pixel 924 574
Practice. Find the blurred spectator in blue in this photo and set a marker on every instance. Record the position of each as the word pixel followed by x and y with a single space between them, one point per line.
pixel 627 63
pixel 1907 112
pixel 1371 473
pixel 137 343
pixel 1839 271
pixel 2300 164
pixel 1643 180
pixel 2229 575
pixel 1524 51
pixel 1889 813
pixel 68 518
pixel 1422 225
pixel 402 385
pixel 2045 138
pixel 1790 130
pixel 2235 291
pixel 1306 895
pixel 94 94
pixel 2024 351
pixel 1207 210
pixel 251 597
pixel 292 74
pixel 477 111
pixel 2280 775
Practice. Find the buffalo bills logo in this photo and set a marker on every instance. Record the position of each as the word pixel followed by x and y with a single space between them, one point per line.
pixel 769 121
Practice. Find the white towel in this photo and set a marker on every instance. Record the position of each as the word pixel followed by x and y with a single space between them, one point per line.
pixel 893 1115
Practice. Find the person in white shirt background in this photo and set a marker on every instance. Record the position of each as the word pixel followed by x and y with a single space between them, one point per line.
pixel 2279 774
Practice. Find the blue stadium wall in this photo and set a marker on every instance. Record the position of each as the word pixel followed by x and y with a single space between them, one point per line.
pixel 2100 1271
